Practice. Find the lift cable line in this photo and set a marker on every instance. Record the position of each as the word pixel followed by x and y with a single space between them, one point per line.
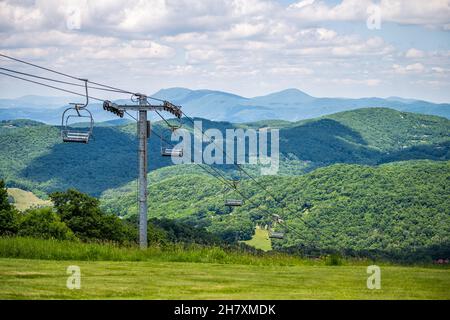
pixel 59 81
pixel 50 86
pixel 167 106
pixel 40 67
pixel 255 180
pixel 63 74
pixel 223 179
pixel 234 163
pixel 94 98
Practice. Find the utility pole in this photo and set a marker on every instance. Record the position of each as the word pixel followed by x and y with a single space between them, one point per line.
pixel 143 130
pixel 143 155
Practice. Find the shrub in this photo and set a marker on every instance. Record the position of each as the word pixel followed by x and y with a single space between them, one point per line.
pixel 9 220
pixel 9 216
pixel 333 260
pixel 83 216
pixel 44 223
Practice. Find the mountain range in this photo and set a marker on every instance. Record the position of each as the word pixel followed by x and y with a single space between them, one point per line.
pixel 371 181
pixel 290 104
pixel 33 156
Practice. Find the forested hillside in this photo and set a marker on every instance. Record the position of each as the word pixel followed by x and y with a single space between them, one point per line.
pixel 33 157
pixel 392 209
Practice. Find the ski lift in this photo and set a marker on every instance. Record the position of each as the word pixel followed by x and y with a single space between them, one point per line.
pixel 276 235
pixel 79 112
pixel 169 151
pixel 273 234
pixel 235 201
pixel 277 218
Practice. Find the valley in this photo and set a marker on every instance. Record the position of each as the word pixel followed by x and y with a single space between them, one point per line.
pixel 363 182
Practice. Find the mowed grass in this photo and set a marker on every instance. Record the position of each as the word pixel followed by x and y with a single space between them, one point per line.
pixel 46 279
pixel 24 200
pixel 36 269
pixel 260 240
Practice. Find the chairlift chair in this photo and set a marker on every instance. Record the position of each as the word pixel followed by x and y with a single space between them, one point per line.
pixel 234 202
pixel 77 111
pixel 276 235
pixel 277 220
pixel 169 151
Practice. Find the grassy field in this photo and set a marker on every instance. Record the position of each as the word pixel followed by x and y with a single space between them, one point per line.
pixel 260 240
pixel 24 199
pixel 42 279
pixel 36 269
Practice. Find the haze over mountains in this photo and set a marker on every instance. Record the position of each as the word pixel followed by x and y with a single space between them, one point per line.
pixel 290 104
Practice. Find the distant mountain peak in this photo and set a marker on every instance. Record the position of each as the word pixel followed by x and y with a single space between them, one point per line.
pixel 293 91
pixel 287 96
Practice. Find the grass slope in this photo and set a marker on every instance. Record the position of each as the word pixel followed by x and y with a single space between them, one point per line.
pixel 198 273
pixel 39 279
pixel 24 200
pixel 260 240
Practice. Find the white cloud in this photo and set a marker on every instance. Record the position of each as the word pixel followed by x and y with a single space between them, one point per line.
pixel 212 41
pixel 438 70
pixel 352 82
pixel 196 56
pixel 410 68
pixel 347 10
pixel 432 12
pixel 301 4
pixel 244 30
pixel 414 53
pixel 291 71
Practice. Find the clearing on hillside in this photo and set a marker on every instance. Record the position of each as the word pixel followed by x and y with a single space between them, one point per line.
pixel 260 239
pixel 24 200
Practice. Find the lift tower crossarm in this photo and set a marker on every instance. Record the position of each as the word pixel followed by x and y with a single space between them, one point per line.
pixel 166 106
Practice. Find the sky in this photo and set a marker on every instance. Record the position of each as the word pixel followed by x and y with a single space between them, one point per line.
pixel 349 48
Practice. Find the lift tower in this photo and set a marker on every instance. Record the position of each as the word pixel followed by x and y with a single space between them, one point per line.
pixel 143 133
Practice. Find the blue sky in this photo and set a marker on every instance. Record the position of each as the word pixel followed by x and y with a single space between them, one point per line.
pixel 247 47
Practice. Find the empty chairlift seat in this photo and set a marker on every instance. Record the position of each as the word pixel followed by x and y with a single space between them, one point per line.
pixel 80 115
pixel 276 235
pixel 80 133
pixel 234 202
pixel 75 136
pixel 171 152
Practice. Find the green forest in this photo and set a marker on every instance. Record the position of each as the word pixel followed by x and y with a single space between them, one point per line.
pixel 389 210
pixel 367 182
pixel 34 158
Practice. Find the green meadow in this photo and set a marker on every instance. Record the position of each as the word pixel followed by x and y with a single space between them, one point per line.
pixel 260 240
pixel 36 269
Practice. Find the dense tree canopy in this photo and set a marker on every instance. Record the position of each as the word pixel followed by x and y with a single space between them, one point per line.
pixel 34 158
